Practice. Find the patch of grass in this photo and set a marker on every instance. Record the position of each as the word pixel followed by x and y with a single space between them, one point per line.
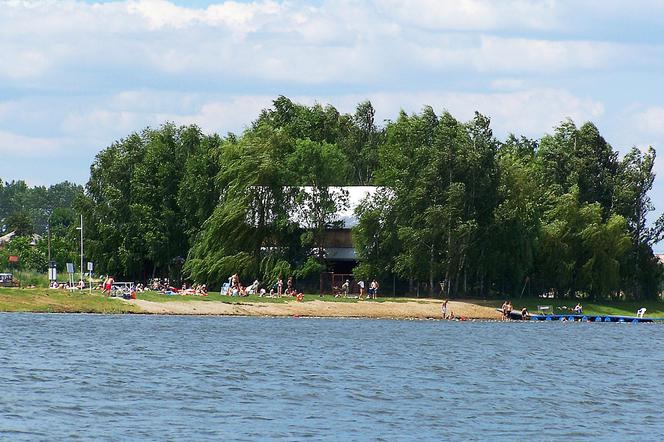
pixel 655 309
pixel 41 300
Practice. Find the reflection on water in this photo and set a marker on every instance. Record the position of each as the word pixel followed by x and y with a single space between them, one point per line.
pixel 215 378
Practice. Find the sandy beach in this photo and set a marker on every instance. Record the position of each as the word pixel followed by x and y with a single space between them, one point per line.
pixel 416 309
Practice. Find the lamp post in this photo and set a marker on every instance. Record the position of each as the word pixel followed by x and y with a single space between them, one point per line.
pixel 48 227
pixel 81 229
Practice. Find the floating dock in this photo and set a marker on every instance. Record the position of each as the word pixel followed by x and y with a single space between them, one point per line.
pixel 591 318
pixel 516 315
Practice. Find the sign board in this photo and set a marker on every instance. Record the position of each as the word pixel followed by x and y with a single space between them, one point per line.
pixel 70 267
pixel 13 258
pixel 90 266
pixel 52 274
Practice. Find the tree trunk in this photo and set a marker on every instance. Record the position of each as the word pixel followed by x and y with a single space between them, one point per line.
pixel 431 271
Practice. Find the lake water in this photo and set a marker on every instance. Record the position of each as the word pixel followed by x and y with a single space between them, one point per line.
pixel 130 377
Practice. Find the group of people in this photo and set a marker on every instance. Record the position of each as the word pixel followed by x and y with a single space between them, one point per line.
pixel 345 289
pixel 236 288
pixel 373 289
pixel 66 285
pixel 195 289
pixel 507 309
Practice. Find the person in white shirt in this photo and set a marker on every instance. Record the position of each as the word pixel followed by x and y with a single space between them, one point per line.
pixel 361 285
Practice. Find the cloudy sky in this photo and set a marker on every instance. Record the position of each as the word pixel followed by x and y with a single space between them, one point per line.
pixel 77 75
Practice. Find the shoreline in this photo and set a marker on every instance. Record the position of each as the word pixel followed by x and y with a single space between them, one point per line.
pixel 51 301
pixel 41 300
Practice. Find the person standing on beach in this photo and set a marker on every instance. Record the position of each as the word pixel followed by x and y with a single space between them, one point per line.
pixel 280 285
pixel 361 285
pixel 444 309
pixel 289 286
pixel 108 285
pixel 373 289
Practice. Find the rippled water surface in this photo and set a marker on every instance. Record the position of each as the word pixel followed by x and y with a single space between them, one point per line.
pixel 216 378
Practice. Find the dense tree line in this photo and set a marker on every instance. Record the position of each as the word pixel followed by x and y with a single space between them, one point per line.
pixel 457 211
pixel 562 214
pixel 27 210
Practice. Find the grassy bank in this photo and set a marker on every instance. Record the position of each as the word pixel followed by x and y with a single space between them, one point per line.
pixel 43 300
pixel 655 309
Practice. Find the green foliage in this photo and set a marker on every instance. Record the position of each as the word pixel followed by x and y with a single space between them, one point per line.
pixel 455 209
pixel 20 223
pixel 147 197
pixel 479 216
pixel 311 266
pixel 265 216
pixel 31 256
pixel 27 209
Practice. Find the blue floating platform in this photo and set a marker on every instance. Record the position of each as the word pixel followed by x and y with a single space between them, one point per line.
pixel 595 318
pixel 516 315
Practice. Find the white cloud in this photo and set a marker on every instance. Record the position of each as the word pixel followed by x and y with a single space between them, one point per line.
pixel 473 14
pixel 25 146
pixel 99 121
pixel 491 54
pixel 231 115
pixel 651 120
pixel 76 43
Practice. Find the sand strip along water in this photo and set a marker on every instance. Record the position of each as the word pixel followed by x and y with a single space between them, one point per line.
pixel 421 309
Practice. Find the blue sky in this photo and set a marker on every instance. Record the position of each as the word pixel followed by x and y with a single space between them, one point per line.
pixel 77 75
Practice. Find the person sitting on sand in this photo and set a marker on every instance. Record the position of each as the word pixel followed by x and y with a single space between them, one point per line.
pixel 253 288
pixel 578 309
pixel 524 314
